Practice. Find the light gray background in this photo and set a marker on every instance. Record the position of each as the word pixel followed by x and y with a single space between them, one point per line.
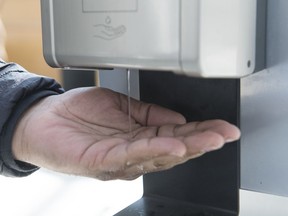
pixel 264 112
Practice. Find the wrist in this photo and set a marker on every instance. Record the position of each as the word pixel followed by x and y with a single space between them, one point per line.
pixel 23 132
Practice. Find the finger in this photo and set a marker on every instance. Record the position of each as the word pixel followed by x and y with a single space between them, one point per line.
pixel 203 142
pixel 228 131
pixel 158 116
pixel 124 155
pixel 154 165
pixel 151 114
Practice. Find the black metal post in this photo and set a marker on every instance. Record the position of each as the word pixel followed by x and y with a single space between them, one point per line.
pixel 205 186
pixel 77 78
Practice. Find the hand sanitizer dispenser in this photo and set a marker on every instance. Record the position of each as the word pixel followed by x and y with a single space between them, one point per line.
pixel 203 38
pixel 197 38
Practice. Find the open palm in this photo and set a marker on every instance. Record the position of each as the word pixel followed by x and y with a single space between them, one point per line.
pixel 86 132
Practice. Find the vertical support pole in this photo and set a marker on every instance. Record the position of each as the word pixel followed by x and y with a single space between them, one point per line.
pixel 77 78
pixel 208 185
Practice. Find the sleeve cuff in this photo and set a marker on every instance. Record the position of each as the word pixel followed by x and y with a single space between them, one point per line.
pixel 9 166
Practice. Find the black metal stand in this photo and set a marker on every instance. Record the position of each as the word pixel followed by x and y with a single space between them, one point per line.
pixel 205 186
pixel 78 78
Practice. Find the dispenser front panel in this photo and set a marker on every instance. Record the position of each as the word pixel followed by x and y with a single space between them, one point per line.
pixel 205 38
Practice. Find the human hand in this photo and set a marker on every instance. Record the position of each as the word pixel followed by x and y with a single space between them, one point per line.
pixel 86 132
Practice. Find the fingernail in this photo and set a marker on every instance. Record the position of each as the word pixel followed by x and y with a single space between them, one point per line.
pixel 228 139
pixel 213 147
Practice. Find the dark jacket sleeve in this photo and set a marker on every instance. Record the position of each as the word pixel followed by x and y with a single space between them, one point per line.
pixel 19 89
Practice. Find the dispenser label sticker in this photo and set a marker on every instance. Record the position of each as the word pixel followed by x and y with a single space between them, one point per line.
pixel 107 32
pixel 102 6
